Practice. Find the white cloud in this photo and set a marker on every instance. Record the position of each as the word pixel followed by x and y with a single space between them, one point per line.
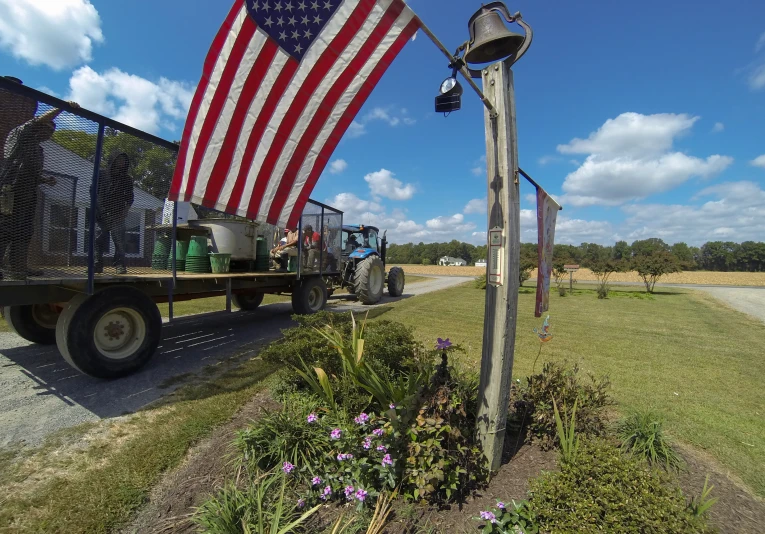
pixel 757 78
pixel 632 135
pixel 47 90
pixel 718 127
pixel 383 183
pixel 391 115
pixel 759 161
pixel 356 129
pixel 479 166
pixel 760 43
pixel 136 101
pixel 735 215
pixel 630 158
pixel 477 205
pixel 338 166
pixel 544 160
pixel 352 206
pixel 56 33
pixel 531 198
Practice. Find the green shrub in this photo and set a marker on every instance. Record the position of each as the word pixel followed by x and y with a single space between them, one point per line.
pixel 444 461
pixel 605 491
pixel 480 282
pixel 561 291
pixel 534 405
pixel 426 261
pixel 257 508
pixel 518 518
pixel 284 435
pixel 642 433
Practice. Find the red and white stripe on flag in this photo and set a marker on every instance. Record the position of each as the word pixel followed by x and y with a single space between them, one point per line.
pixel 281 84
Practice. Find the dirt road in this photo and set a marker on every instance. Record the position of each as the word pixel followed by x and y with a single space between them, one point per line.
pixel 40 393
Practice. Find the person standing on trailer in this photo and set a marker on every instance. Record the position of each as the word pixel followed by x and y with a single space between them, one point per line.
pixel 21 174
pixel 114 199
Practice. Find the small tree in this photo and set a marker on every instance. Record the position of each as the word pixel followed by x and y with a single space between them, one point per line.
pixel 603 269
pixel 426 261
pixel 653 266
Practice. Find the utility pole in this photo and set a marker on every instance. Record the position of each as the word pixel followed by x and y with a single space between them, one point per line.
pixel 502 268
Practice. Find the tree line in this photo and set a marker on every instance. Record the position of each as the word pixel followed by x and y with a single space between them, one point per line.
pixel 712 256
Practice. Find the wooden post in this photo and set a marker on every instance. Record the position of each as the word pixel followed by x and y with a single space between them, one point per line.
pixel 502 297
pixel 571 282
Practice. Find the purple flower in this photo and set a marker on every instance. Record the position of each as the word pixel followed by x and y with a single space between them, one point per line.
pixel 326 493
pixel 361 419
pixel 392 406
pixel 443 344
pixel 382 448
pixel 500 505
pixel 315 481
pixel 361 495
pixel 378 432
pixel 287 467
pixel 312 417
pixel 488 516
pixel 301 503
pixel 367 442
pixel 349 492
pixel 335 434
pixel 344 456
pixel 386 460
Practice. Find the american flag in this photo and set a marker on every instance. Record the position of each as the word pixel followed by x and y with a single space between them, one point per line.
pixel 281 84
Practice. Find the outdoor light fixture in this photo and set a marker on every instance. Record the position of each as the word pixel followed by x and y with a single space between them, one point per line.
pixel 450 97
pixel 490 40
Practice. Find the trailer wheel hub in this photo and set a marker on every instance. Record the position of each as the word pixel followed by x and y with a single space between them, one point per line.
pixel 120 333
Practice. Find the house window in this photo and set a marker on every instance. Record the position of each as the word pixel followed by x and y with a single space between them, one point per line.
pixel 62 229
pixel 64 222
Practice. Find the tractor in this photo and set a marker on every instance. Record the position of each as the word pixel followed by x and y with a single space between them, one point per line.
pixel 362 267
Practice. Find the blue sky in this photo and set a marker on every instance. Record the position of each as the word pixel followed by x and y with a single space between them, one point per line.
pixel 644 119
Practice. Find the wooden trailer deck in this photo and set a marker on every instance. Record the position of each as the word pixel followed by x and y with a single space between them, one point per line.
pixel 59 279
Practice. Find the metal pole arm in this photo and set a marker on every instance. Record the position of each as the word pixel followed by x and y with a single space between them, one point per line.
pixel 464 70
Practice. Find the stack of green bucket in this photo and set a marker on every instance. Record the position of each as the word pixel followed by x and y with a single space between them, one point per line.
pixel 161 250
pixel 181 251
pixel 261 255
pixel 197 260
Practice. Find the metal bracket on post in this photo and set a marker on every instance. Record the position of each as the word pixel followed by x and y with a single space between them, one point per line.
pixel 93 209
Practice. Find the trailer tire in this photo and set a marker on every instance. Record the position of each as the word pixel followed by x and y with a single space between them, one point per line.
pixel 369 280
pixel 396 281
pixel 110 334
pixel 310 296
pixel 247 301
pixel 34 322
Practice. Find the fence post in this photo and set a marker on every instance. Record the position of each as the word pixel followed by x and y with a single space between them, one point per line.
pixel 93 208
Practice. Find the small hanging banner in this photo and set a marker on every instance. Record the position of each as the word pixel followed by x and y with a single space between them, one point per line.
pixel 547 213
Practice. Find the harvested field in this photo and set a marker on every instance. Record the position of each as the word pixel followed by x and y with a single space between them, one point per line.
pixel 585 275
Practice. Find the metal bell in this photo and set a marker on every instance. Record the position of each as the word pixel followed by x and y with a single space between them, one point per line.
pixel 490 40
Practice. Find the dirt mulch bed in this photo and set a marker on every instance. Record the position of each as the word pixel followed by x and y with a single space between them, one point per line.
pixel 206 468
pixel 585 275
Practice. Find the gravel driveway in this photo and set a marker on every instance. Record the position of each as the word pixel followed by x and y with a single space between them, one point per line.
pixel 749 300
pixel 40 393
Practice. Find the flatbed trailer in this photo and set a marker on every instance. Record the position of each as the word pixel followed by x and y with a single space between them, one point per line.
pixel 109 325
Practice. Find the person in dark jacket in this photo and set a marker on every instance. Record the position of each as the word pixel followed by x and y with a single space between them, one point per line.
pixel 115 197
pixel 21 173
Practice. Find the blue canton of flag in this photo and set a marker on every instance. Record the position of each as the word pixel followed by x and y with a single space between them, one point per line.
pixel 294 24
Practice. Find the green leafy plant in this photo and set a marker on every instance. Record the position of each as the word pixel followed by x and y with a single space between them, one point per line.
pixel 652 266
pixel 642 433
pixel 258 508
pixel 515 519
pixel 480 282
pixel 567 438
pixel 606 491
pixel 699 506
pixel 533 407
pixel 284 436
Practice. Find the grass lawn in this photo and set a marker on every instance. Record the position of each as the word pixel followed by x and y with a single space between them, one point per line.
pixel 679 352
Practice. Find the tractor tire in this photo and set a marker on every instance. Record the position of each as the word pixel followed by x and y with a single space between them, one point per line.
pixel 35 322
pixel 310 296
pixel 247 301
pixel 110 334
pixel 396 281
pixel 369 280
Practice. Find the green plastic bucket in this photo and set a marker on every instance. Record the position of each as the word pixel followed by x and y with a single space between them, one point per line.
pixel 198 246
pixel 292 264
pixel 220 263
pixel 161 248
pixel 181 250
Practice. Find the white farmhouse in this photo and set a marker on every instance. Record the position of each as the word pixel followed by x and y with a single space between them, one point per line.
pixel 452 262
